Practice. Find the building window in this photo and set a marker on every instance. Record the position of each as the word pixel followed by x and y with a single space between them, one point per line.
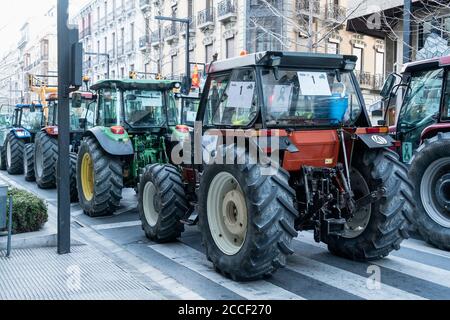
pixel 379 63
pixel 358 52
pixel 209 52
pixel 122 73
pixel 174 66
pixel 332 48
pixel 230 49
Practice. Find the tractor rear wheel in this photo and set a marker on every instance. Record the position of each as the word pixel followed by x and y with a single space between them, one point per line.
pixel 162 203
pixel 99 179
pixel 45 158
pixel 3 158
pixel 246 219
pixel 430 174
pixel 14 154
pixel 28 163
pixel 377 229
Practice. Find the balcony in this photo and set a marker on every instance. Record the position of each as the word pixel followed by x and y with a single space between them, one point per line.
pixel 206 18
pixel 378 81
pixel 120 50
pixel 102 23
pixel 226 11
pixel 171 33
pixel 304 7
pixel 364 79
pixel 85 33
pixel 22 42
pixel 192 27
pixel 144 42
pixel 95 26
pixel 335 14
pixel 111 18
pixel 144 5
pixel 155 39
pixel 112 54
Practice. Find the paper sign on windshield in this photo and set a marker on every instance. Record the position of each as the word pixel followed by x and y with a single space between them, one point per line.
pixel 240 94
pixel 191 116
pixel 314 83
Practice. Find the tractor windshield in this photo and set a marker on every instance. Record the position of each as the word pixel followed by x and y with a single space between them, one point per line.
pixel 150 108
pixel 422 100
pixel 310 97
pixel 32 120
pixel 76 113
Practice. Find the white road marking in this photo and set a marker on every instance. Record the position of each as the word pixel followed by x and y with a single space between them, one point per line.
pixel 197 262
pixel 424 247
pixel 347 281
pixel 118 225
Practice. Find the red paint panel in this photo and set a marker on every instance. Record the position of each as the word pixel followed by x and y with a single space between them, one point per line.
pixel 316 149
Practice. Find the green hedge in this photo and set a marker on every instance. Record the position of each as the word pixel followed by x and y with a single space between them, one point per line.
pixel 29 212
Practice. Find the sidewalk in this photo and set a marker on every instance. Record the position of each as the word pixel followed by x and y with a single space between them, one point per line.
pixel 41 274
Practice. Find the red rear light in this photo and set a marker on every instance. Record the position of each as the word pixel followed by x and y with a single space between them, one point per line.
pixel 377 130
pixel 444 61
pixel 53 131
pixel 182 128
pixel 118 130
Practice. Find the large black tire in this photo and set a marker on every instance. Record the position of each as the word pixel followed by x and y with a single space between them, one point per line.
pixel 271 215
pixel 3 158
pixel 28 163
pixel 432 219
pixel 45 158
pixel 107 180
pixel 73 177
pixel 388 225
pixel 14 165
pixel 162 203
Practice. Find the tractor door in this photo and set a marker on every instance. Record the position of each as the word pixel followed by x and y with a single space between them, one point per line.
pixel 421 108
pixel 109 108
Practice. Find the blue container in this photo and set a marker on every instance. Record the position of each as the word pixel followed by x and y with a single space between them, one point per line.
pixel 338 108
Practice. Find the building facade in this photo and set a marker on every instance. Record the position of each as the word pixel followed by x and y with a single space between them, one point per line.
pixel 35 54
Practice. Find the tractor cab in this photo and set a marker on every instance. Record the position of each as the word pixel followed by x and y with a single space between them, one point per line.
pixel 28 119
pixel 81 111
pixel 425 107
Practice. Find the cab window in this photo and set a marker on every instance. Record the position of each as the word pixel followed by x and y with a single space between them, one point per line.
pixel 107 107
pixel 446 109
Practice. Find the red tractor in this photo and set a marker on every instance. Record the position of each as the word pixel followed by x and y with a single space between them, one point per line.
pixel 423 132
pixel 319 166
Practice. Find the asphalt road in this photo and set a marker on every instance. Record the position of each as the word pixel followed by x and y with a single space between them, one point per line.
pixel 417 271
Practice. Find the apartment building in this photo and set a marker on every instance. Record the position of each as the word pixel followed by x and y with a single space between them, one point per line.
pixel 127 32
pixel 36 53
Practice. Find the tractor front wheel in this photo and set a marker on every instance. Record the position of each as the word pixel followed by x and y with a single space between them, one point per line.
pixel 162 203
pixel 376 229
pixel 430 174
pixel 28 163
pixel 45 157
pixel 14 154
pixel 99 179
pixel 247 220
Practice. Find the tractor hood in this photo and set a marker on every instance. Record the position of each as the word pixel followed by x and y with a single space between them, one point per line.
pixel 136 84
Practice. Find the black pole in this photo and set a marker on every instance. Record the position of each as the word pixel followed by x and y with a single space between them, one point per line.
pixel 188 60
pixel 407 44
pixel 64 71
pixel 108 61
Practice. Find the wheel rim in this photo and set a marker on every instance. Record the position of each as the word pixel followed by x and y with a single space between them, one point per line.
pixel 8 154
pixel 39 161
pixel 150 206
pixel 87 177
pixel 227 214
pixel 356 225
pixel 435 191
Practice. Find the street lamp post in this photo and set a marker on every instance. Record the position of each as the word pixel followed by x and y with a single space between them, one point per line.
pixel 187 22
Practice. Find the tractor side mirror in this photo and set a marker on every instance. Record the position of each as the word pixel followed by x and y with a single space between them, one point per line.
pixel 389 84
pixel 186 86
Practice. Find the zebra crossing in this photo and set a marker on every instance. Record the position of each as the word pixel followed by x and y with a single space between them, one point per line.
pixel 312 272
pixel 416 272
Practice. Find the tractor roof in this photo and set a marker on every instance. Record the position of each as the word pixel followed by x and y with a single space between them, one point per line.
pixel 136 84
pixel 287 59
pixel 422 65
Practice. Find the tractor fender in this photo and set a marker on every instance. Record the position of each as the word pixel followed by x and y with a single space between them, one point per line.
pixel 377 141
pixel 431 131
pixel 115 147
pixel 21 133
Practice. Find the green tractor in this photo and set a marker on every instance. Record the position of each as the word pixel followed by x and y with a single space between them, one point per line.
pixel 134 123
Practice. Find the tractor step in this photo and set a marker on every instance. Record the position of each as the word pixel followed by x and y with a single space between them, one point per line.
pixel 192 220
pixel 330 227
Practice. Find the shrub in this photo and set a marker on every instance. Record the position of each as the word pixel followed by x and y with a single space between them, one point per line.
pixel 29 212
